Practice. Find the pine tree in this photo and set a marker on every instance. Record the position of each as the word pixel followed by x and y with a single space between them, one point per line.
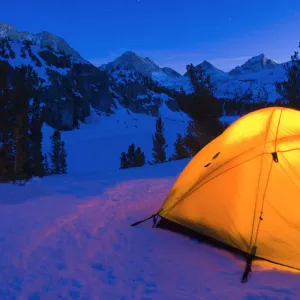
pixel 131 155
pixel 201 133
pixel 6 124
pixel 47 170
pixel 36 138
pixel 20 135
pixel 21 96
pixel 58 155
pixel 139 159
pixel 201 103
pixel 55 154
pixel 123 161
pixel 4 165
pixel 63 158
pixel 290 89
pixel 75 115
pixel 159 143
pixel 180 149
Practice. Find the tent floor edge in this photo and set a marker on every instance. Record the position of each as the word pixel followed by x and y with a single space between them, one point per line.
pixel 166 224
pixel 169 225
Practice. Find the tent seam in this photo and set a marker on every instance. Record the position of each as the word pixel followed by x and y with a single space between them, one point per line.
pixel 268 179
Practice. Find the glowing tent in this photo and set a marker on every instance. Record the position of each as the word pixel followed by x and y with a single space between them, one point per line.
pixel 243 188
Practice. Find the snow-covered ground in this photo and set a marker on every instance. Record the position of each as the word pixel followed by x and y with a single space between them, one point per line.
pixel 68 237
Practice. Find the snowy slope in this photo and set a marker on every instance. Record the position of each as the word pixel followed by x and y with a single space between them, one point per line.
pixel 41 70
pixel 68 237
pixel 178 83
pixel 97 146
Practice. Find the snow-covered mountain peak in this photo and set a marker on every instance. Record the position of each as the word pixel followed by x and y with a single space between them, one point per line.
pixel 150 60
pixel 211 70
pixel 206 65
pixel 262 60
pixel 6 29
pixel 144 66
pixel 129 55
pixel 255 64
pixel 131 61
pixel 43 39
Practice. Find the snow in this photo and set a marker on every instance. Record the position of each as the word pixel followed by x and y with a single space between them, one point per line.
pixel 167 114
pixel 97 146
pixel 68 237
pixel 76 93
pixel 41 71
pixel 173 83
pixel 268 76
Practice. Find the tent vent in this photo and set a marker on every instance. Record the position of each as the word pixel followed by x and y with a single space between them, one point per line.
pixel 207 165
pixel 275 157
pixel 216 155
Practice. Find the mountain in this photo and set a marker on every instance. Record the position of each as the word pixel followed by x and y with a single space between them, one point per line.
pixel 44 40
pixel 144 66
pixel 129 60
pixel 261 69
pixel 71 86
pixel 257 77
pixel 68 83
pixel 254 65
pixel 209 69
pixel 132 86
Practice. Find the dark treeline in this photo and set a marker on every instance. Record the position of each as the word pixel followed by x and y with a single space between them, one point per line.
pixel 290 88
pixel 21 121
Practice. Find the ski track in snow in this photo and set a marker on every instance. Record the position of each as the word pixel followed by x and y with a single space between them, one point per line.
pixel 68 237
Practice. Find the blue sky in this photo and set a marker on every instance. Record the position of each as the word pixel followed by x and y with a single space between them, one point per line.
pixel 173 33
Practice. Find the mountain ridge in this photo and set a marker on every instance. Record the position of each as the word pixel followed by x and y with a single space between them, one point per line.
pixel 131 81
pixel 44 39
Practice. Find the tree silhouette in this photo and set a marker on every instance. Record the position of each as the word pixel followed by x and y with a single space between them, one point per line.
pixel 159 143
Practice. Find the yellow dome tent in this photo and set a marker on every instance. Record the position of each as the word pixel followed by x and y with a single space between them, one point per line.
pixel 243 188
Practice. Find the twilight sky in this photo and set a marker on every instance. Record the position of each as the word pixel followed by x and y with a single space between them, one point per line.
pixel 172 32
